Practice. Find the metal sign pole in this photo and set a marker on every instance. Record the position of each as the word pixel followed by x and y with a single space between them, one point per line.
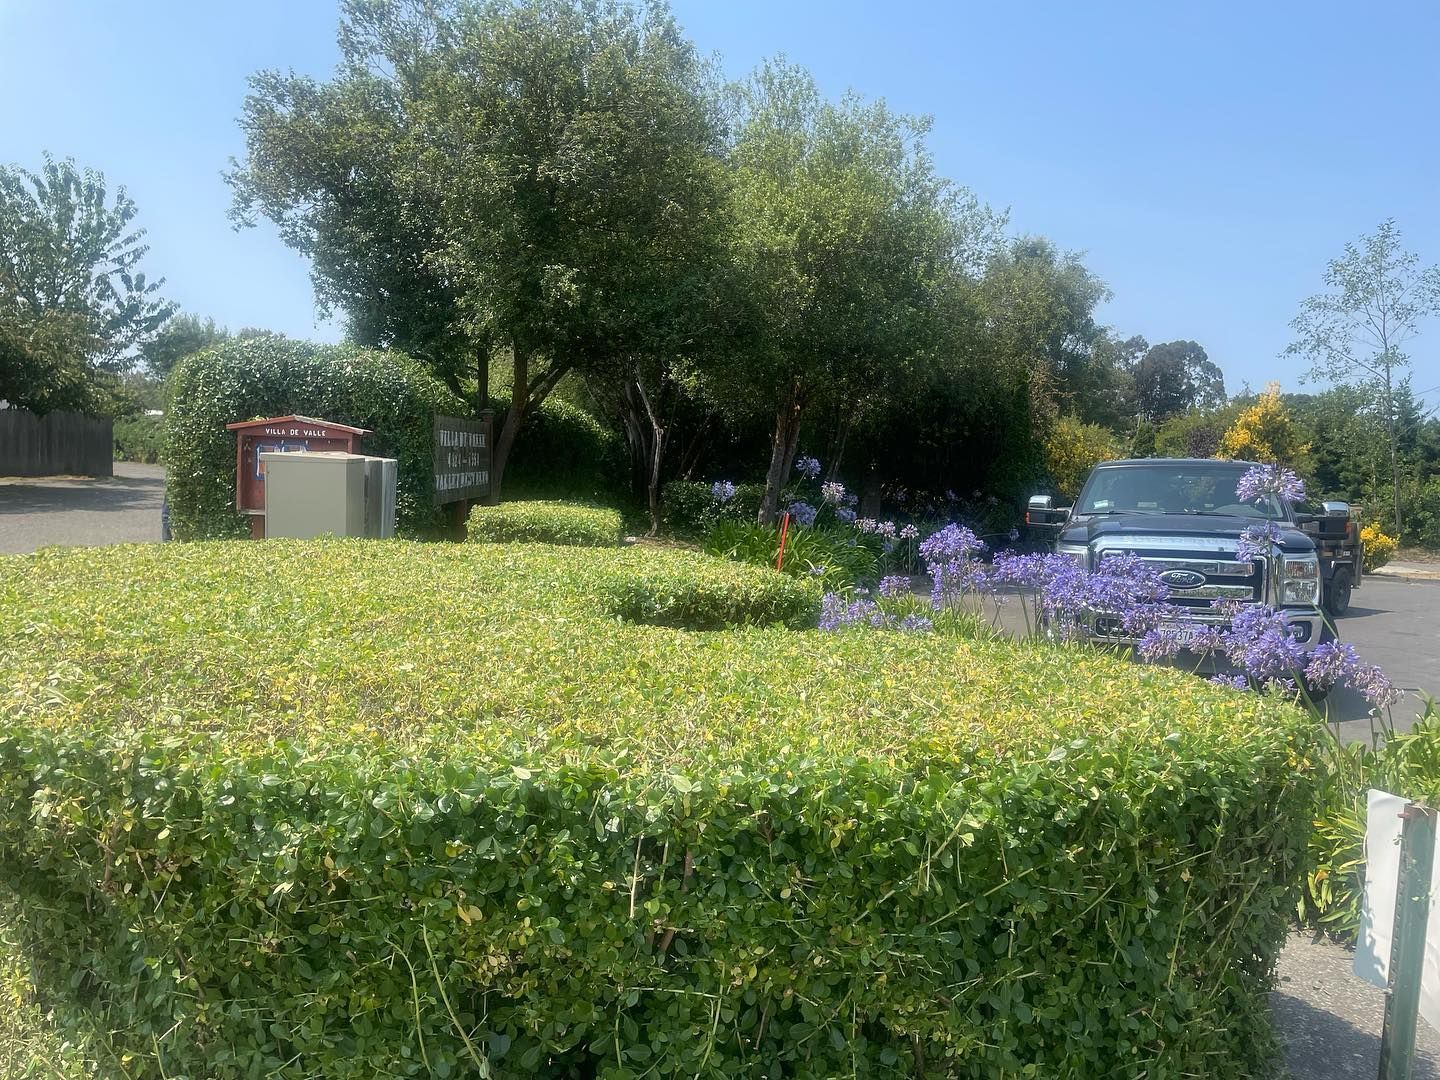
pixel 1407 947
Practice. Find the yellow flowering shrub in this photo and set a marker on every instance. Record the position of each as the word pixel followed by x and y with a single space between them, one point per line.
pixel 1379 548
pixel 1073 448
pixel 1265 432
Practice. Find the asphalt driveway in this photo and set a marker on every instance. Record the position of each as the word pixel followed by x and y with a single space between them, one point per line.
pixel 123 509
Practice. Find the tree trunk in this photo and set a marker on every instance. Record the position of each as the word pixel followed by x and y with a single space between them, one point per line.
pixel 782 453
pixel 482 379
pixel 843 424
pixel 1394 449
pixel 656 445
pixel 525 394
pixel 514 417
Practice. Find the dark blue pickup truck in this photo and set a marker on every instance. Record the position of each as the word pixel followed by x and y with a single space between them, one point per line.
pixel 1183 516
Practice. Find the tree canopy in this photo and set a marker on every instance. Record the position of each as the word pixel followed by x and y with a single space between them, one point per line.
pixel 74 303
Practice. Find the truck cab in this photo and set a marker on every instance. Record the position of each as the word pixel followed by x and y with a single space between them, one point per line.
pixel 1182 515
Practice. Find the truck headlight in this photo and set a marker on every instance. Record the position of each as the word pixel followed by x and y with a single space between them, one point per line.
pixel 1078 552
pixel 1299 579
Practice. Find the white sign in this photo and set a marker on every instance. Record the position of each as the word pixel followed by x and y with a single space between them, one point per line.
pixel 1377 912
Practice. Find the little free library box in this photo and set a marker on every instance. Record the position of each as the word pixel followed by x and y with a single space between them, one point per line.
pixel 280 434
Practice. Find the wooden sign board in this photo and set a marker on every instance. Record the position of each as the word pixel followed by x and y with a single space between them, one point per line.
pixel 462 458
pixel 282 433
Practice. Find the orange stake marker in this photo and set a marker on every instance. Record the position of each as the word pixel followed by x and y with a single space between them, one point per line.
pixel 784 531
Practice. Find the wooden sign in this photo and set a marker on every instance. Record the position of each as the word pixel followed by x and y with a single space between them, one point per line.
pixel 462 458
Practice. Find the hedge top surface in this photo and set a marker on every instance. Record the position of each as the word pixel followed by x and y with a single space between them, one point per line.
pixel 500 656
pixel 546 521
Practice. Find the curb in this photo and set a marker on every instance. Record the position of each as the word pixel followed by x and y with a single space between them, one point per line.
pixel 1406 574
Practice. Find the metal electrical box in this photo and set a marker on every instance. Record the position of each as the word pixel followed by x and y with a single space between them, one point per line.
pixel 310 494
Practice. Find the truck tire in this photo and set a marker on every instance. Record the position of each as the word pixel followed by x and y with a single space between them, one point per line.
pixel 1337 592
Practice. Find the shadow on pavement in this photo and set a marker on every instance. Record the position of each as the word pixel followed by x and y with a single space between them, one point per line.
pixel 109 494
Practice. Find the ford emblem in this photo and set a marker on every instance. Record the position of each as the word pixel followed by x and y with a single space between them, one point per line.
pixel 1182 579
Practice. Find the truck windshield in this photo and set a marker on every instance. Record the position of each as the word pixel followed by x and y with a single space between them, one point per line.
pixel 1171 488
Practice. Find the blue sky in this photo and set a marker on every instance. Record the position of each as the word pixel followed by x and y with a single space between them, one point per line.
pixel 1207 158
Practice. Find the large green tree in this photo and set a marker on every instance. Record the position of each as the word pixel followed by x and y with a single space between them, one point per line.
pixel 177 339
pixel 74 304
pixel 1174 377
pixel 481 174
pixel 1354 333
pixel 844 234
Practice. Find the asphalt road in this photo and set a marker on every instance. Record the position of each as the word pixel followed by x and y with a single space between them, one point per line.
pixel 125 508
pixel 1395 624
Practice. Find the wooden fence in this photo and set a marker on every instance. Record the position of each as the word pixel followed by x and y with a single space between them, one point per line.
pixel 56 444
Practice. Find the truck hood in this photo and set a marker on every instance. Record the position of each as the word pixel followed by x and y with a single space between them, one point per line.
pixel 1116 529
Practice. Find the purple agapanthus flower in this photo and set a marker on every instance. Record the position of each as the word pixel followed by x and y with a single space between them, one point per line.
pixel 885 529
pixel 1270 480
pixel 1234 682
pixel 808 467
pixel 1260 643
pixel 722 491
pixel 915 624
pixel 802 513
pixel 845 515
pixel 833 492
pixel 909 532
pixel 1256 541
pixel 894 585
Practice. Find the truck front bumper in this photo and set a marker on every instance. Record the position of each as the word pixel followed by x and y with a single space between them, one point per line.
pixel 1306 624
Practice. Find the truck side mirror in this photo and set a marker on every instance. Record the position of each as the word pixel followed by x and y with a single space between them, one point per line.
pixel 1335 509
pixel 1041 502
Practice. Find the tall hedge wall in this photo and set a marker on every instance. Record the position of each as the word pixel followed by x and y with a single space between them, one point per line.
pixel 242 379
pixel 352 809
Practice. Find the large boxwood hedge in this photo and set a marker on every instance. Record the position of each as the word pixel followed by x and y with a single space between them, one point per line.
pixel 240 379
pixel 545 522
pixel 348 809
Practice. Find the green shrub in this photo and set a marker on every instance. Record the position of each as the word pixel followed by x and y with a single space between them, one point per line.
pixel 1422 519
pixel 140 438
pixel 690 509
pixel 838 556
pixel 387 393
pixel 709 595
pixel 347 809
pixel 1406 764
pixel 562 452
pixel 545 523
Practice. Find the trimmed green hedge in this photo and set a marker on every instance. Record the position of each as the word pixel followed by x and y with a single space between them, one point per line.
pixel 240 379
pixel 347 809
pixel 546 523
pixel 710 596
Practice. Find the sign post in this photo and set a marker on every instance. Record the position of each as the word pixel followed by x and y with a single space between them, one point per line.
pixel 462 459
pixel 1407 947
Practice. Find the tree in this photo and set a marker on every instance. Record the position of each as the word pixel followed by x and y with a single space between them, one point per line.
pixel 844 234
pixel 177 339
pixel 1354 333
pixel 491 173
pixel 1266 432
pixel 74 305
pixel 336 166
pixel 1174 377
pixel 1040 306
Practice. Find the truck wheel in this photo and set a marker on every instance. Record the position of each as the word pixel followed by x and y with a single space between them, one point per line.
pixel 1337 594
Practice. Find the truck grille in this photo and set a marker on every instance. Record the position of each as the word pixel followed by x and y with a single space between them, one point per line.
pixel 1216 573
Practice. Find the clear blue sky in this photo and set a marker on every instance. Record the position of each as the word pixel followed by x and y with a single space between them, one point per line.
pixel 1208 158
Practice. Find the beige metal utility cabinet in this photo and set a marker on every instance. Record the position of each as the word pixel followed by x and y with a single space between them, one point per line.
pixel 314 493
